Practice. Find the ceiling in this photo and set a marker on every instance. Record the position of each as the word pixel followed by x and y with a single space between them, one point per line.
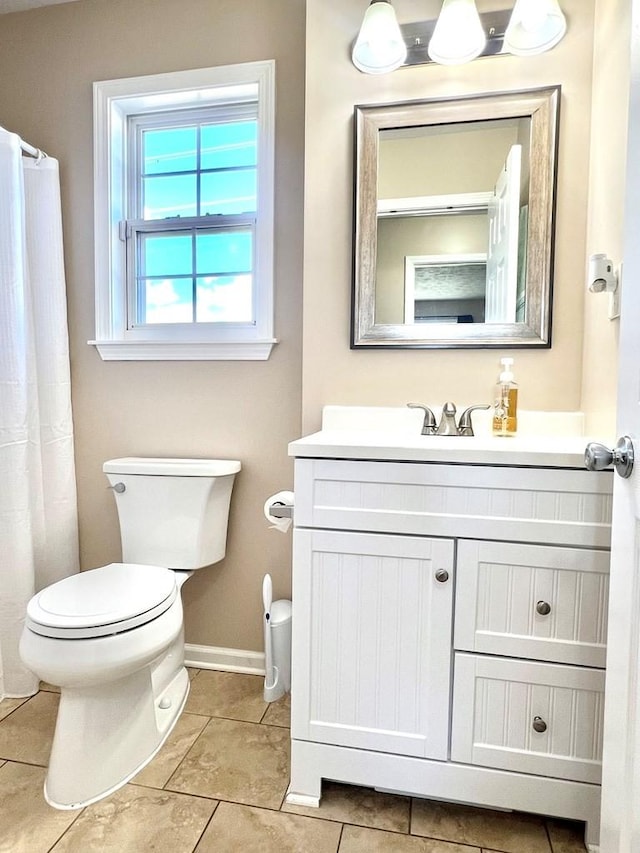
pixel 21 5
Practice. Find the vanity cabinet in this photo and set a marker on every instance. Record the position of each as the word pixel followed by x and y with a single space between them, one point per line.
pixel 449 631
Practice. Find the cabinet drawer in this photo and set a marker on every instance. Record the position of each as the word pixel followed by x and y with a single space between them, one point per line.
pixel 496 702
pixel 554 506
pixel 532 601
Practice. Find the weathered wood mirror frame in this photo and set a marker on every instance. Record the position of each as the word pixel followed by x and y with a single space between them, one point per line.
pixel 542 107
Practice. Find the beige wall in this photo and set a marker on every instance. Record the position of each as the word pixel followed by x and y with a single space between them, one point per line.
pixel 245 410
pixel 606 205
pixel 332 373
pixel 457 160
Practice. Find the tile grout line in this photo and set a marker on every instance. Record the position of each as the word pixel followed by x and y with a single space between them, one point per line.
pixel 64 832
pixel 179 764
pixel 206 827
pixel 17 708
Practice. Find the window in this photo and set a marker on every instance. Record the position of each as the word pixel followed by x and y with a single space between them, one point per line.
pixel 184 214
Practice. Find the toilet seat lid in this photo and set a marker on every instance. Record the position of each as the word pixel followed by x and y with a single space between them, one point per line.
pixel 102 601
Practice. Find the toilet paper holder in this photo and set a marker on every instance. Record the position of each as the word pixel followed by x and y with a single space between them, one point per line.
pixel 280 510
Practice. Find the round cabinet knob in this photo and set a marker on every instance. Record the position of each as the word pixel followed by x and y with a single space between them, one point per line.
pixel 539 725
pixel 442 575
pixel 543 608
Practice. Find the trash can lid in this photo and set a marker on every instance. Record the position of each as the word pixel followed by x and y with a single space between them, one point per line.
pixel 280 612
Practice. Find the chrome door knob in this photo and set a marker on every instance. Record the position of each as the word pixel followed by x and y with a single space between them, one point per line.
pixel 442 575
pixel 543 608
pixel 597 457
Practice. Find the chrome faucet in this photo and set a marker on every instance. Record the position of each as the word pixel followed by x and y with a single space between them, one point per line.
pixel 447 425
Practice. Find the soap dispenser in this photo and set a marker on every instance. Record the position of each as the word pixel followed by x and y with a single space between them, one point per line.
pixel 505 419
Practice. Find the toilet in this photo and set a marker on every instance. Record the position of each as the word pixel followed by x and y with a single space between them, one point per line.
pixel 112 638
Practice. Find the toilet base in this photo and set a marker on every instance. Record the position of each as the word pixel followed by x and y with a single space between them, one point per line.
pixel 106 734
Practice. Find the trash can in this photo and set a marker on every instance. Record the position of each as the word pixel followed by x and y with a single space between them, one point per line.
pixel 277 644
pixel 280 624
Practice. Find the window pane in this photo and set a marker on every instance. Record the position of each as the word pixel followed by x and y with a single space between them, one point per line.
pixel 224 252
pixel 224 299
pixel 228 192
pixel 163 197
pixel 223 145
pixel 167 300
pixel 166 255
pixel 171 150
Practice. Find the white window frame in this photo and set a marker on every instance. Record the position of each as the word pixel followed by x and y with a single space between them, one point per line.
pixel 114 102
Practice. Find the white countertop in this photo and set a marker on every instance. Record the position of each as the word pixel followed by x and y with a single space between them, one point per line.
pixel 340 438
pixel 554 452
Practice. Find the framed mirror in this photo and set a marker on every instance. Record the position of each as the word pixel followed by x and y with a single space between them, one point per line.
pixel 454 216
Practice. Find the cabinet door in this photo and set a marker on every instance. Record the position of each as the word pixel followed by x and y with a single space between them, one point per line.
pixel 372 641
pixel 532 601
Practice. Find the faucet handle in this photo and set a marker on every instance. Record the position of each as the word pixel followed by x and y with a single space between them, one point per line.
pixel 465 427
pixel 429 422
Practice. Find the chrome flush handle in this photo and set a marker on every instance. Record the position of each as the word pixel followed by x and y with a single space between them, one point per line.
pixel 118 487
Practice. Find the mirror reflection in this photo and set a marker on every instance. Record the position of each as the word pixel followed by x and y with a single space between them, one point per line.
pixel 449 247
pixel 453 221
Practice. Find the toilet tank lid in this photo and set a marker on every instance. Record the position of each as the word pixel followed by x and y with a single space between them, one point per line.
pixel 172 467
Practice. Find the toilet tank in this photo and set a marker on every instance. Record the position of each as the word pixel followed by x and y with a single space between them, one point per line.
pixel 172 512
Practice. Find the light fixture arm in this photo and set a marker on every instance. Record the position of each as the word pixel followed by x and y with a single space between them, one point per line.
pixel 418 34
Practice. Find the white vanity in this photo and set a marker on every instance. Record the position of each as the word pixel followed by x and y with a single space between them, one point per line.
pixel 450 610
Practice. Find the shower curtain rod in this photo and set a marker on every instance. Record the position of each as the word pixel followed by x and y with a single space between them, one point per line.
pixel 30 150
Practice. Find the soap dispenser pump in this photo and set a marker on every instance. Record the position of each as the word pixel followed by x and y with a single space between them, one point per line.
pixel 505 418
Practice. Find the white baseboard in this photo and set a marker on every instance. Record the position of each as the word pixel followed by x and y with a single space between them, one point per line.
pixel 224 660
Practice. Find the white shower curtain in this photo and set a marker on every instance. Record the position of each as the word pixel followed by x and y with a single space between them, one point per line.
pixel 38 515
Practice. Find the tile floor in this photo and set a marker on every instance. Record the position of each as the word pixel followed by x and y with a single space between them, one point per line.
pixel 218 786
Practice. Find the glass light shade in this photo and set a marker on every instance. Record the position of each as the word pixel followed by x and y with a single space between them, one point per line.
pixel 535 26
pixel 380 46
pixel 459 35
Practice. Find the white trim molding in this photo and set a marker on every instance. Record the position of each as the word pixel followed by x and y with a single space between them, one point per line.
pixel 224 660
pixel 184 350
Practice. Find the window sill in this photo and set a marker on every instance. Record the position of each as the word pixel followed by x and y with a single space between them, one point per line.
pixel 111 350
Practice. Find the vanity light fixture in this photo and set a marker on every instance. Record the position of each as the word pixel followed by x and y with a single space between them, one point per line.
pixel 459 34
pixel 535 26
pixel 380 46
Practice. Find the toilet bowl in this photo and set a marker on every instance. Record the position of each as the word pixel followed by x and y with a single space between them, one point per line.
pixel 112 638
